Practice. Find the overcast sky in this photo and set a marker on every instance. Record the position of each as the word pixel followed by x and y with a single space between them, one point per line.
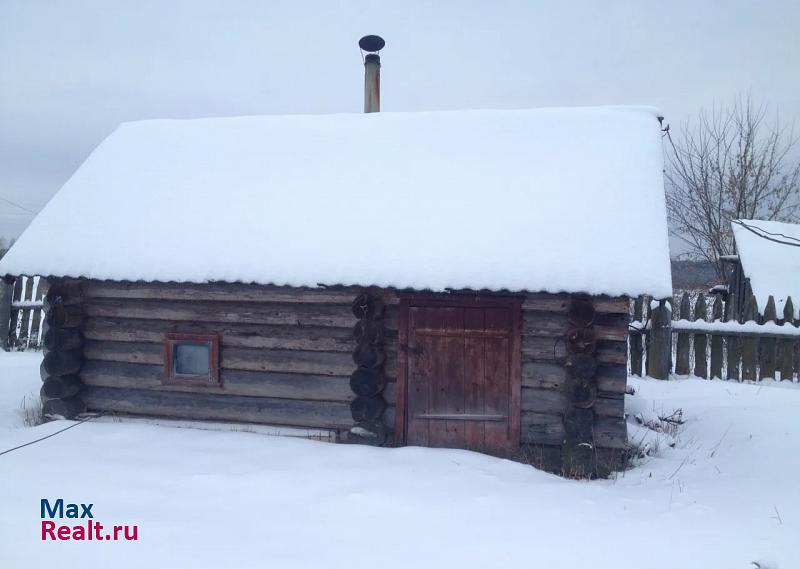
pixel 71 71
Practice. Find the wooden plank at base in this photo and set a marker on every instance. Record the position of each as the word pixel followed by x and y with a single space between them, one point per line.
pixel 294 413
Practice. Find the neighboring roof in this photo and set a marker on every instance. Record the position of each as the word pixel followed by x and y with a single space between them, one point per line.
pixel 773 268
pixel 551 199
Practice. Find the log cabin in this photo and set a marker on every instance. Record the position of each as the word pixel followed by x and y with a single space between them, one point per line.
pixel 767 264
pixel 443 279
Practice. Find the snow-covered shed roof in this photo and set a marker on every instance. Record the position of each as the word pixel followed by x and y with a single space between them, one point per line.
pixel 539 200
pixel 769 261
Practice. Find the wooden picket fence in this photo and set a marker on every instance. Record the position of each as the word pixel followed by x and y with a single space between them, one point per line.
pixel 21 311
pixel 707 339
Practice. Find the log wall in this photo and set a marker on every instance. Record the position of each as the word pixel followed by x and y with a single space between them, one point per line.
pixel 285 354
pixel 286 357
pixel 547 383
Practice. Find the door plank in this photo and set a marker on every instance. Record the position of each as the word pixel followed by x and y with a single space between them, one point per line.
pixel 474 377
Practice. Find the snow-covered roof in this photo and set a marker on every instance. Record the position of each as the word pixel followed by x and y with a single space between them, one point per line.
pixel 551 199
pixel 772 266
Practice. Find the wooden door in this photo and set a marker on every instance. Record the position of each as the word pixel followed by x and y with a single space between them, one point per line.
pixel 460 361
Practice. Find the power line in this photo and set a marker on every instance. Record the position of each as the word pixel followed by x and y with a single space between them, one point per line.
pixel 761 233
pixel 67 428
pixel 23 208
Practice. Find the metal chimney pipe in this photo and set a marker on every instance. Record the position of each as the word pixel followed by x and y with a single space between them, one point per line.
pixel 372 83
pixel 372 72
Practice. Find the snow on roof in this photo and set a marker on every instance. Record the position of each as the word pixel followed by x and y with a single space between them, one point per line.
pixel 551 200
pixel 773 268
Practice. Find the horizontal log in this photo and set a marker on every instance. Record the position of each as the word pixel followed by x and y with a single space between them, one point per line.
pixel 290 361
pixel 610 405
pixel 542 429
pixel 582 393
pixel 68 408
pixel 367 408
pixel 242 313
pixel 612 378
pixel 63 292
pixel 367 382
pixel 544 375
pixel 62 339
pixel 541 323
pixel 312 338
pixel 609 352
pixel 581 312
pixel 542 349
pixel 61 363
pixel 560 303
pixel 218 292
pixel 233 382
pixel 542 401
pixel 368 356
pixel 369 331
pixel 60 386
pixel 203 406
pixel 64 316
pixel 581 366
pixel 553 325
pixel 610 433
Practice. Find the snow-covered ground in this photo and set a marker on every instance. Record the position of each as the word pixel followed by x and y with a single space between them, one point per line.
pixel 727 494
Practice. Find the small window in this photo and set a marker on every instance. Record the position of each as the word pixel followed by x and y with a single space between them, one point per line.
pixel 192 359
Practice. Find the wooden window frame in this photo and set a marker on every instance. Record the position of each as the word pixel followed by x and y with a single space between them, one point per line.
pixel 409 300
pixel 171 378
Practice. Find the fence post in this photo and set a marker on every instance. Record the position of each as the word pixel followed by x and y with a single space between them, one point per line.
pixel 750 343
pixel 659 349
pixel 25 315
pixel 682 350
pixel 635 339
pixel 768 355
pixel 12 327
pixel 716 341
pixel 6 294
pixel 732 342
pixel 700 340
pixel 787 346
pixel 37 316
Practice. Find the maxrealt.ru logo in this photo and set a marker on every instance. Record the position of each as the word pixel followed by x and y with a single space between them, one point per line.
pixel 87 530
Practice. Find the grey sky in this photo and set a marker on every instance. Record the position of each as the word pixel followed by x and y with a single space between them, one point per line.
pixel 71 71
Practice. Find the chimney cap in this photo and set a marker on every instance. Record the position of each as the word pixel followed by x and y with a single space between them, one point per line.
pixel 371 43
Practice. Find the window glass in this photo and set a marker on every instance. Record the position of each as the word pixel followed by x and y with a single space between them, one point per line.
pixel 191 358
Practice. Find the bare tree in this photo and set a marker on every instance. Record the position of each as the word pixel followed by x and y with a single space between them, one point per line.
pixel 730 164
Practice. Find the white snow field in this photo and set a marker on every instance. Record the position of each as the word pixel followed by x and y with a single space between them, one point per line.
pixel 726 496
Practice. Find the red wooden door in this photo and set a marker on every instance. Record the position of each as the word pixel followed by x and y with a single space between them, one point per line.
pixel 462 385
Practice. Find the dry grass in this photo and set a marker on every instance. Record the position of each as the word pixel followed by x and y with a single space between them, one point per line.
pixel 31 411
